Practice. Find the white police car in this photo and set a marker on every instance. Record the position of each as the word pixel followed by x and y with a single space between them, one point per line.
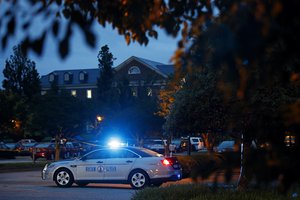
pixel 139 167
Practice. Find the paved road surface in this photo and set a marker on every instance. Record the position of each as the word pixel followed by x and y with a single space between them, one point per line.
pixel 28 185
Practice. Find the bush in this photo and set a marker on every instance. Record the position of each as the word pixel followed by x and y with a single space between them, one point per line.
pixel 198 192
pixel 203 165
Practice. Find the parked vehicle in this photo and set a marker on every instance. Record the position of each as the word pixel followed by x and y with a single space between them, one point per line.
pixel 73 149
pixel 157 145
pixel 196 144
pixel 24 149
pixel 25 141
pixel 6 152
pixel 176 144
pixel 11 145
pixel 226 146
pixel 138 167
pixel 47 151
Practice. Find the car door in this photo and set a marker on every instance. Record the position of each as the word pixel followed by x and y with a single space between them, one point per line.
pixel 89 167
pixel 119 165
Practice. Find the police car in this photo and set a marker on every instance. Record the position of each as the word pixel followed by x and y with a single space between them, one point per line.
pixel 139 167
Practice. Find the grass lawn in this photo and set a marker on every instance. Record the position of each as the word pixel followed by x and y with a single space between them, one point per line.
pixel 199 192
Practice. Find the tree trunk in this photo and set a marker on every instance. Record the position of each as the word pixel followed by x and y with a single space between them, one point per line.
pixel 57 147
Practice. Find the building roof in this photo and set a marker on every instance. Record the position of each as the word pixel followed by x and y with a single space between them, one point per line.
pixel 92 75
pixel 164 70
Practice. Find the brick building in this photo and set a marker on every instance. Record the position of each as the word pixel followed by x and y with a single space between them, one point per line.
pixel 82 83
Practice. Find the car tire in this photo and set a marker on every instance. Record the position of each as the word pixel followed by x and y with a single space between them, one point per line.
pixel 63 177
pixel 138 179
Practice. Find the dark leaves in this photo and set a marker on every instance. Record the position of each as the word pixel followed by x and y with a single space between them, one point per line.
pixel 55 28
pixel 4 41
pixel 58 2
pixel 37 45
pixel 11 25
pixel 90 38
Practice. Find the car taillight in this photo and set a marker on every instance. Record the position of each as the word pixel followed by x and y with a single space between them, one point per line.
pixel 165 162
pixel 172 161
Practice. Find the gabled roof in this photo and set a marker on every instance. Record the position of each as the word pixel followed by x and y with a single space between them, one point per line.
pixel 92 75
pixel 160 68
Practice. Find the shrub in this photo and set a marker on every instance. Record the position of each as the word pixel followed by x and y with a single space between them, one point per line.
pixel 203 165
pixel 198 192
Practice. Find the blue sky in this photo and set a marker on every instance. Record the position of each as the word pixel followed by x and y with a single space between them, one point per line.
pixel 81 56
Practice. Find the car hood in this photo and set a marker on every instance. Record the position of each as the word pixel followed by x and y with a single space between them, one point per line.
pixel 65 162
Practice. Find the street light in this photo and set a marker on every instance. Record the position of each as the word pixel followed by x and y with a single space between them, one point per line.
pixel 99 118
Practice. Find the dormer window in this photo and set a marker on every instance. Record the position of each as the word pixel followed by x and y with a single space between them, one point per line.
pixel 82 76
pixel 52 77
pixel 68 77
pixel 134 70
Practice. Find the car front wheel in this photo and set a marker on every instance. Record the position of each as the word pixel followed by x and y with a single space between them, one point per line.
pixel 138 179
pixel 63 178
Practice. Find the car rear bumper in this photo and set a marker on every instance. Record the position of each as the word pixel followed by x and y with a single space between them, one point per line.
pixel 174 176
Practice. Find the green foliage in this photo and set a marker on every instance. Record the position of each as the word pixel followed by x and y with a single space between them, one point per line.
pixel 21 76
pixel 199 192
pixel 55 114
pixel 137 119
pixel 107 94
pixel 203 165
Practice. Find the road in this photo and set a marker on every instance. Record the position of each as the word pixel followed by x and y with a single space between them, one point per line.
pixel 28 185
pixel 19 159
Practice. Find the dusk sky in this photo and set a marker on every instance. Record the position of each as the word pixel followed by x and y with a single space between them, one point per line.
pixel 81 56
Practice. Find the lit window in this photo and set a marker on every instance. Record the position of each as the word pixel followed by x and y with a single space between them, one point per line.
pixel 73 93
pixel 149 92
pixel 89 94
pixel 134 91
pixel 134 70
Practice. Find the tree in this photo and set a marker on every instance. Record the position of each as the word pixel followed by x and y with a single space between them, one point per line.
pixel 137 120
pixel 253 44
pixel 21 76
pixel 21 85
pixel 199 108
pixel 58 115
pixel 107 94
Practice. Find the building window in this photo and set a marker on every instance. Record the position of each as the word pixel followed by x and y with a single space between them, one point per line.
pixel 43 92
pixel 51 77
pixel 89 94
pixel 82 76
pixel 134 91
pixel 73 93
pixel 68 77
pixel 149 92
pixel 134 70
